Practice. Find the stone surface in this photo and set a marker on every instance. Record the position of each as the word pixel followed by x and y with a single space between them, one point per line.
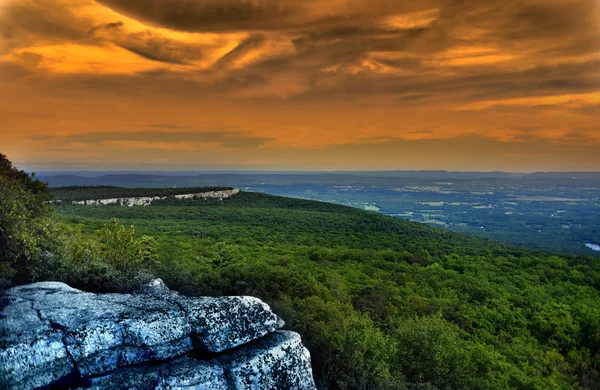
pixel 278 361
pixel 182 373
pixel 219 323
pixel 52 334
pixel 104 332
pixel 155 287
pixel 227 322
pixel 32 354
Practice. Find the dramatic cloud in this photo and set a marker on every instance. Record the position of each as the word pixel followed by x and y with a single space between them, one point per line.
pixel 263 80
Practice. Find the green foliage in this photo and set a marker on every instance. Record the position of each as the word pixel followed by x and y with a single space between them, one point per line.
pixel 33 246
pixel 23 209
pixel 12 174
pixel 112 259
pixel 383 303
pixel 119 248
pixel 435 352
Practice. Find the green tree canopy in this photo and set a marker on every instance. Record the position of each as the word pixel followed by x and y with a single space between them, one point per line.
pixel 23 208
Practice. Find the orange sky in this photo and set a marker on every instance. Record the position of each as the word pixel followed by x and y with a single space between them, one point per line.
pixel 334 85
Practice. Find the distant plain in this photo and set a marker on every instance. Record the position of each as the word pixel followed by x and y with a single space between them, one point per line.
pixel 550 211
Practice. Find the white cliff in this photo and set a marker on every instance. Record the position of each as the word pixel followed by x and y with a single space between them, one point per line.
pixel 147 200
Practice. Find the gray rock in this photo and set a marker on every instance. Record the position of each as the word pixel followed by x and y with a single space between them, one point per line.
pixel 220 323
pixel 279 361
pixel 51 333
pixel 154 287
pixel 223 323
pixel 104 332
pixel 32 354
pixel 182 373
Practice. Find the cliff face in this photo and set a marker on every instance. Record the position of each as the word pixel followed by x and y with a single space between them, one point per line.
pixel 55 335
pixel 147 200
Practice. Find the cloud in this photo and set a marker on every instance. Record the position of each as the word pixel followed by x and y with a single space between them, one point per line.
pixel 154 52
pixel 244 15
pixel 22 23
pixel 107 26
pixel 167 126
pixel 252 42
pixel 377 47
pixel 207 15
pixel 298 74
pixel 159 139
pixel 379 138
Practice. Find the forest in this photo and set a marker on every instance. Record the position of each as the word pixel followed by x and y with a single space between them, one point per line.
pixel 552 211
pixel 381 303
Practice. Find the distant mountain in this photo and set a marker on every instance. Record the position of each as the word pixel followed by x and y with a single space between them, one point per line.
pixel 237 178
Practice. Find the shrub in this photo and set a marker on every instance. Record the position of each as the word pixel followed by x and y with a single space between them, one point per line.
pixel 34 247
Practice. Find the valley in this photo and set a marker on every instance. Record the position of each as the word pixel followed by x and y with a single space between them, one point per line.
pixel 380 302
pixel 551 211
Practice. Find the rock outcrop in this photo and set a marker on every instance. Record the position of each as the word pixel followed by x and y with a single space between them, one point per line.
pixel 147 200
pixel 52 335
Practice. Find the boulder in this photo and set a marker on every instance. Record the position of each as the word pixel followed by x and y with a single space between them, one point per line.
pixel 223 323
pixel 32 353
pixel 154 287
pixel 278 361
pixel 182 373
pixel 103 332
pixel 219 323
pixel 53 334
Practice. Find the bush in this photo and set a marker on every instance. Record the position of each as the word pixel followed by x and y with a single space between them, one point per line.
pixel 23 220
pixel 112 260
pixel 34 247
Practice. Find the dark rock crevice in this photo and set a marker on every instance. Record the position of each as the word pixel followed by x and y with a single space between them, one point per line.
pixel 53 325
pixel 61 329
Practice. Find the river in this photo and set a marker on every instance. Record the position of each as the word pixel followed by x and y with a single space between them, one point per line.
pixel 594 247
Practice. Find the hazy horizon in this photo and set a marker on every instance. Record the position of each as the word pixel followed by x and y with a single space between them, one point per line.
pixel 164 170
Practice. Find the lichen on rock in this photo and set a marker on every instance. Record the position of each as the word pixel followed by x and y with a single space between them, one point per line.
pixel 53 334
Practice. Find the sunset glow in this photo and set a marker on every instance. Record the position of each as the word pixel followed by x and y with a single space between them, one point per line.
pixel 313 85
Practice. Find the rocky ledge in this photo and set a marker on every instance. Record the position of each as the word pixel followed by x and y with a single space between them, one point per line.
pixel 55 336
pixel 147 200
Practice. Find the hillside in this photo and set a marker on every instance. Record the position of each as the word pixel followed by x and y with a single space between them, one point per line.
pixel 556 212
pixel 381 302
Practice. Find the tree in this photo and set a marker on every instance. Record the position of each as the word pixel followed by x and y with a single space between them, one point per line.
pixel 34 246
pixel 23 209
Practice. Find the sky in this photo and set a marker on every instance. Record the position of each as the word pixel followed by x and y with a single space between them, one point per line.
pixel 301 85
